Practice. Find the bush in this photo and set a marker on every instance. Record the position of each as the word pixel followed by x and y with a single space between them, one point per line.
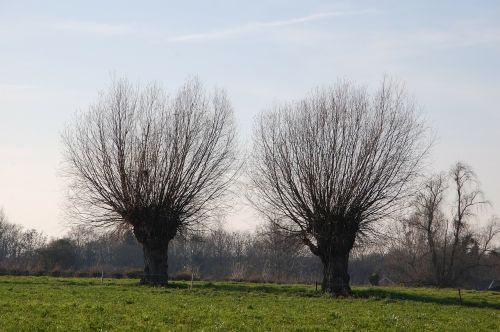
pixel 184 275
pixel 134 273
pixel 374 279
pixel 16 272
pixel 39 273
pixel 96 274
pixel 117 275
pixel 82 274
pixel 55 273
pixel 67 273
pixel 255 278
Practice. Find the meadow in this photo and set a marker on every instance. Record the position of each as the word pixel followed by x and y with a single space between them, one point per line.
pixel 89 304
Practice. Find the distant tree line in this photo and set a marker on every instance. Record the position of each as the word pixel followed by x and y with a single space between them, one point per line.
pixel 265 255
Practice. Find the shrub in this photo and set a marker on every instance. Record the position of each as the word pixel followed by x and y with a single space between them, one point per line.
pixel 96 274
pixel 82 274
pixel 16 272
pixel 134 273
pixel 184 275
pixel 374 279
pixel 39 273
pixel 255 278
pixel 55 273
pixel 67 273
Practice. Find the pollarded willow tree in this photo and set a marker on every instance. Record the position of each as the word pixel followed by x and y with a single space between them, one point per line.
pixel 141 160
pixel 328 167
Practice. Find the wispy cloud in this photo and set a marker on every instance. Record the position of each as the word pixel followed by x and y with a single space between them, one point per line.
pixel 108 29
pixel 158 33
pixel 259 26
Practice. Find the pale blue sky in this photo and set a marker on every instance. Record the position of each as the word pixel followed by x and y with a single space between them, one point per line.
pixel 56 55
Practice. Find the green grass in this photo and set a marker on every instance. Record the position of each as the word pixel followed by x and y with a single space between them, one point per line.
pixel 65 304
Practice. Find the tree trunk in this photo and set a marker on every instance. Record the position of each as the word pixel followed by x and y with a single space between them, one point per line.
pixel 335 274
pixel 155 233
pixel 155 264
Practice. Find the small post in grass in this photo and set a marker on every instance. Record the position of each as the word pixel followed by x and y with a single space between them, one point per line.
pixel 316 286
pixel 460 295
pixel 192 277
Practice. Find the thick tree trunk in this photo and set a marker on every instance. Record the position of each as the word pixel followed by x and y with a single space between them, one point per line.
pixel 155 264
pixel 335 273
pixel 155 233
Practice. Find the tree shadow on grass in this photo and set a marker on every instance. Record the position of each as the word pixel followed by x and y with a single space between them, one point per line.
pixel 294 290
pixel 170 285
pixel 380 293
pixel 60 281
pixel 388 293
pixel 44 281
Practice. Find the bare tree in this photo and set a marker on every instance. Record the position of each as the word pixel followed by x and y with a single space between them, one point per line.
pixel 468 198
pixel 138 159
pixel 454 244
pixel 430 221
pixel 328 166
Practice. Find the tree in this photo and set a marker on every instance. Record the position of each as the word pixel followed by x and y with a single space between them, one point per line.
pixel 455 245
pixel 137 159
pixel 430 221
pixel 10 239
pixel 58 254
pixel 278 252
pixel 468 197
pixel 327 167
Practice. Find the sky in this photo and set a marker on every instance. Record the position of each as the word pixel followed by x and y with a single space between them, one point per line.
pixel 56 55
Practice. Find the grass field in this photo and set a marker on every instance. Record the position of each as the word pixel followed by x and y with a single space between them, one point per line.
pixel 65 304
